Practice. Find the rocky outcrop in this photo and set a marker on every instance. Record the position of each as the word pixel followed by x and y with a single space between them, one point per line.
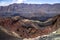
pixel 25 28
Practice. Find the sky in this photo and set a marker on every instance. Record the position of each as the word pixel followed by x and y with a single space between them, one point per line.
pixel 7 2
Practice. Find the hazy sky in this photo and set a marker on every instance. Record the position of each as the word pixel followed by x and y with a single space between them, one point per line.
pixel 42 1
pixel 7 2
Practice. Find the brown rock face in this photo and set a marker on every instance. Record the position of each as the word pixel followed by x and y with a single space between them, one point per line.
pixel 25 28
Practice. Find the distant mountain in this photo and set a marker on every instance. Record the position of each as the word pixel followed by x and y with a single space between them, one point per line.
pixel 29 10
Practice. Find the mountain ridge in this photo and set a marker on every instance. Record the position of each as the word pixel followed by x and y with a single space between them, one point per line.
pixel 30 10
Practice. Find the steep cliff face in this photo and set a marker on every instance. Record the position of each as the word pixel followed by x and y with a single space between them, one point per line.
pixel 25 28
pixel 30 10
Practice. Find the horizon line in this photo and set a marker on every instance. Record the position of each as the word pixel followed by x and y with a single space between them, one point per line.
pixel 31 3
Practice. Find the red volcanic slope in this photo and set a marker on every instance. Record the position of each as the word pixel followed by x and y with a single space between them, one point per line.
pixel 18 26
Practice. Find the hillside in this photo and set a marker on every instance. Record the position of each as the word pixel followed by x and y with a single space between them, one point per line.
pixel 25 28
